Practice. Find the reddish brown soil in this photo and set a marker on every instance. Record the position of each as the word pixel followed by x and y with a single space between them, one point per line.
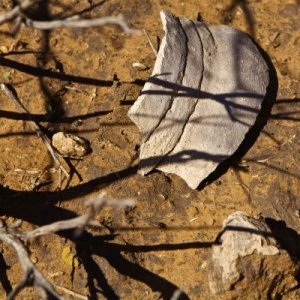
pixel 164 242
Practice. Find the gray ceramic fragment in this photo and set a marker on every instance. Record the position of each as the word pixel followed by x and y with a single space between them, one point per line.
pixel 192 122
pixel 154 102
pixel 171 127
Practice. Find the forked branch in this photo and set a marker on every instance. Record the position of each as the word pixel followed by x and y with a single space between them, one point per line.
pixel 18 15
pixel 4 87
pixel 32 276
pixel 80 222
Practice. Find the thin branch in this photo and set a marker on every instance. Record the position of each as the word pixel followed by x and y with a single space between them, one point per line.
pixel 71 22
pixel 72 293
pixel 58 226
pixel 35 126
pixel 20 286
pixel 75 22
pixel 150 42
pixel 17 11
pixel 32 276
pixel 176 295
pixel 17 25
pixel 81 222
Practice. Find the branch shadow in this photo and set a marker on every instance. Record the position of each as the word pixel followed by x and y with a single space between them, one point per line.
pixel 38 72
pixel 288 238
pixel 6 285
pixel 42 118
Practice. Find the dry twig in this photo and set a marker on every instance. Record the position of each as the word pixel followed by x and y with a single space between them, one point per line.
pixel 80 222
pixel 16 11
pixel 150 42
pixel 35 126
pixel 75 22
pixel 32 276
pixel 17 15
pixel 176 295
pixel 72 293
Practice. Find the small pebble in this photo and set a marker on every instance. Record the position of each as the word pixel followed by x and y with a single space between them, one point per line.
pixel 78 122
pixel 3 49
pixel 162 196
pixel 70 145
pixel 34 259
pixel 203 265
pixel 139 66
pixel 218 183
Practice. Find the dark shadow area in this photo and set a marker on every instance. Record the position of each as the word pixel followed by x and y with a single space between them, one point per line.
pixel 94 273
pixel 88 245
pixel 103 246
pixel 6 285
pixel 38 72
pixel 43 118
pixel 113 254
pixel 288 238
pixel 291 115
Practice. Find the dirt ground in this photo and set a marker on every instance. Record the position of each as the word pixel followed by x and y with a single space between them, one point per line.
pixel 82 81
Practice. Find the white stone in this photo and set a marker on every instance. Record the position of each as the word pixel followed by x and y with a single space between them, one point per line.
pixel 242 236
pixel 70 145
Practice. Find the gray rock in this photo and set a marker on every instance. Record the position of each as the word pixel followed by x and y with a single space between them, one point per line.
pixel 204 95
pixel 249 258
